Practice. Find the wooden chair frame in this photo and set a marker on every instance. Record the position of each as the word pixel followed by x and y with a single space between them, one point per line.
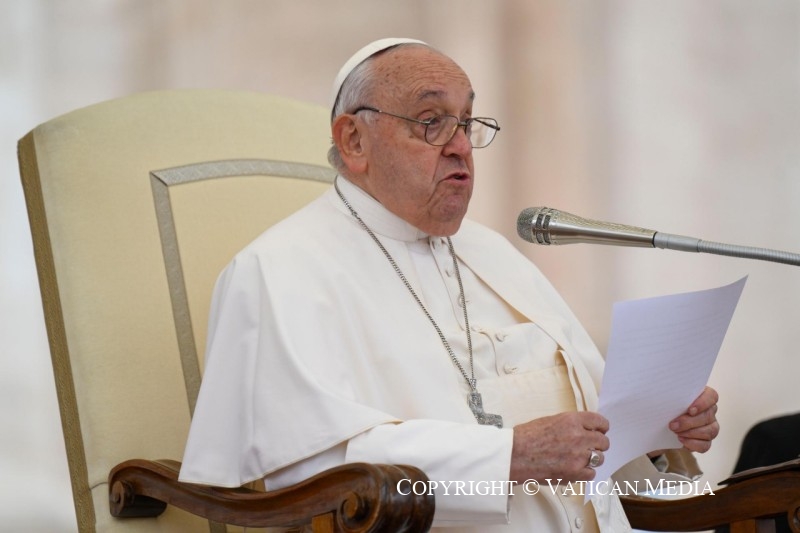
pixel 362 497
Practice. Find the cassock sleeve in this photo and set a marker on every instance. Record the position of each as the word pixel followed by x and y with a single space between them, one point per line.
pixel 467 466
pixel 259 408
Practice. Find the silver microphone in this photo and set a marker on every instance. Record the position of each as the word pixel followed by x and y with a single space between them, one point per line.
pixel 542 225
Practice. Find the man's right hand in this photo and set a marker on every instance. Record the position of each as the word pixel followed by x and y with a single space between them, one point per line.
pixel 558 447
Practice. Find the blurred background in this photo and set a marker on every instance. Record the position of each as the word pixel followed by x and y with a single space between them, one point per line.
pixel 675 115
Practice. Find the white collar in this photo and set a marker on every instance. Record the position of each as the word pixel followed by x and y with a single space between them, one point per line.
pixel 379 219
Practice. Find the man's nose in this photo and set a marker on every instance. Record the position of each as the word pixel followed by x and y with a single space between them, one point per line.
pixel 459 144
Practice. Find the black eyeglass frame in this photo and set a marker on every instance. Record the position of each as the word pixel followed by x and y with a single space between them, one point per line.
pixel 459 124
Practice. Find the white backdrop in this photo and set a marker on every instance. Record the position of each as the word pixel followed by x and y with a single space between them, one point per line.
pixel 677 115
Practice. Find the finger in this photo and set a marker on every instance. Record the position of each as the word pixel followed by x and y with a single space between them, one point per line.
pixel 695 445
pixel 705 401
pixel 595 422
pixel 588 472
pixel 708 432
pixel 596 458
pixel 687 422
pixel 600 442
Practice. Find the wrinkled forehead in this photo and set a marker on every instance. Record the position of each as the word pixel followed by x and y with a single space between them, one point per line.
pixel 416 74
pixel 366 52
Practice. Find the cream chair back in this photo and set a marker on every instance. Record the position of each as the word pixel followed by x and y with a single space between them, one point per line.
pixel 135 206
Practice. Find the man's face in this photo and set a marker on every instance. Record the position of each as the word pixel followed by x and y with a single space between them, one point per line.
pixel 427 186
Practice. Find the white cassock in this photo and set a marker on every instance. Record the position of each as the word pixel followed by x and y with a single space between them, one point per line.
pixel 318 355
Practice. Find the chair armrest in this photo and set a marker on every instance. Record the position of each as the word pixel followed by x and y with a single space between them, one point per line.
pixel 752 495
pixel 351 497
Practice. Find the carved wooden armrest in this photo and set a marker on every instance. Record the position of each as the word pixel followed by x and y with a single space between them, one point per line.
pixel 352 497
pixel 749 498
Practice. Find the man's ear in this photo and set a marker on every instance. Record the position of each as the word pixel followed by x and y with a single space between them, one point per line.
pixel 347 135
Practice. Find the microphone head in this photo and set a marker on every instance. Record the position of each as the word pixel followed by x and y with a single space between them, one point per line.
pixel 543 225
pixel 533 224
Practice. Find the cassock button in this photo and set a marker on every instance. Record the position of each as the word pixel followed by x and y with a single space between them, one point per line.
pixel 500 336
pixel 509 369
pixel 578 523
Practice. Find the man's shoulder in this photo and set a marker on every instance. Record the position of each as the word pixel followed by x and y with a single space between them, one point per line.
pixel 301 228
pixel 473 228
pixel 474 233
pixel 487 249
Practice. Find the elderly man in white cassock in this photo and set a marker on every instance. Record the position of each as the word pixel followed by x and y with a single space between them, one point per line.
pixel 377 325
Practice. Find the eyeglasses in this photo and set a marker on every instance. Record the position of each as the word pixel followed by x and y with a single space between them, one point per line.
pixel 440 129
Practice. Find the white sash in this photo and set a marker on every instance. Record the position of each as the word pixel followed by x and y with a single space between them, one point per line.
pixel 526 396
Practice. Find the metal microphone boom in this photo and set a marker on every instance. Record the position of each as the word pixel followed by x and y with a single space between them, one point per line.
pixel 546 226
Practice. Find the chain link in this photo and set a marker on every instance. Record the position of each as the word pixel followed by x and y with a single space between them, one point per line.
pixel 470 379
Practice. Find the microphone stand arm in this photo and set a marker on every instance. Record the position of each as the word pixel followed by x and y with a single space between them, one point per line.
pixel 682 243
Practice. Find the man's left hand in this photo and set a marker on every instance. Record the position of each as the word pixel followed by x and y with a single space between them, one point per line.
pixel 698 426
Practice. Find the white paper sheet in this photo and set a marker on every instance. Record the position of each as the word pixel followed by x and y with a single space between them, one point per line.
pixel 660 355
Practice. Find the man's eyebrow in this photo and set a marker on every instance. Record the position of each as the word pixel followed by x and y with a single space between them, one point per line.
pixel 438 93
pixel 430 94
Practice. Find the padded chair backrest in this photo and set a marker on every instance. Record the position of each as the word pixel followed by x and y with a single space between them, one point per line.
pixel 135 207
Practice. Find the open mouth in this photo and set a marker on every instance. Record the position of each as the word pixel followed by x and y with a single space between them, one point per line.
pixel 459 176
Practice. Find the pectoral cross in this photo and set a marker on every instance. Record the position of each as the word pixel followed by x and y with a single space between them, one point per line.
pixel 486 419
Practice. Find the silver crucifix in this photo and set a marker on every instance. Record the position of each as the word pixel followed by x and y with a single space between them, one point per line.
pixel 476 405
